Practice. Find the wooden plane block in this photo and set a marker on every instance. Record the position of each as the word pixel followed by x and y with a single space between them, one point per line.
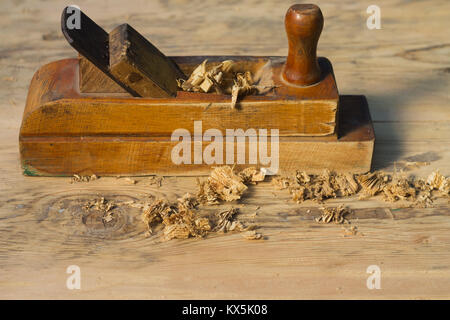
pixel 65 133
pixel 140 66
pixel 56 107
pixel 303 111
pixel 145 155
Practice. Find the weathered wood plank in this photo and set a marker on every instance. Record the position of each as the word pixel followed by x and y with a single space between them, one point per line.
pixel 402 69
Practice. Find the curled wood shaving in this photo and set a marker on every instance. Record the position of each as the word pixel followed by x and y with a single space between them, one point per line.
pixel 399 188
pixel 252 235
pixel 372 182
pixel 155 180
pixel 424 200
pixel 203 80
pixel 281 183
pixel 347 184
pixel 393 187
pixel 438 182
pixel 154 213
pixel 352 231
pixel 336 215
pixel 223 184
pixel 177 231
pixel 130 181
pixel 218 77
pixel 227 221
pixel 320 187
pixel 180 220
pixel 102 205
pixel 78 178
pixel 243 85
pixel 189 201
pixel 252 175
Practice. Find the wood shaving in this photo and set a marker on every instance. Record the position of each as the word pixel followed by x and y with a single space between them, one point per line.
pixel 252 235
pixel 102 205
pixel 203 80
pixel 320 187
pixel 392 188
pixel 438 182
pixel 177 231
pixel 399 188
pixel 218 77
pixel 424 200
pixel 336 215
pixel 227 221
pixel 180 220
pixel 347 184
pixel 281 183
pixel 78 178
pixel 155 212
pixel 352 231
pixel 108 217
pixel 252 175
pixel 189 201
pixel 155 181
pixel 130 181
pixel 223 184
pixel 372 182
pixel 243 85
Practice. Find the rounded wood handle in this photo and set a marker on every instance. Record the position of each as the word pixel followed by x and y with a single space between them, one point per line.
pixel 304 23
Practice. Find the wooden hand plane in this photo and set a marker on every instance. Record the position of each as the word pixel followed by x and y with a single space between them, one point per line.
pixel 116 110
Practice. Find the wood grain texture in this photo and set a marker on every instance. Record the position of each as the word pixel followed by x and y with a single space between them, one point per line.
pixel 91 78
pixel 140 65
pixel 402 69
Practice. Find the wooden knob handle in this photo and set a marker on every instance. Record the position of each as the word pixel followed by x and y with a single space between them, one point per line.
pixel 304 23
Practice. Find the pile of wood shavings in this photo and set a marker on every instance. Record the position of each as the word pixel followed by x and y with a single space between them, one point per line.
pixel 317 187
pixel 222 79
pixel 180 220
pixel 399 188
pixel 393 187
pixel 225 185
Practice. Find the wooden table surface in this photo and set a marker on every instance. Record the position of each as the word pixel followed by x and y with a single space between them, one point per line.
pixel 403 69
